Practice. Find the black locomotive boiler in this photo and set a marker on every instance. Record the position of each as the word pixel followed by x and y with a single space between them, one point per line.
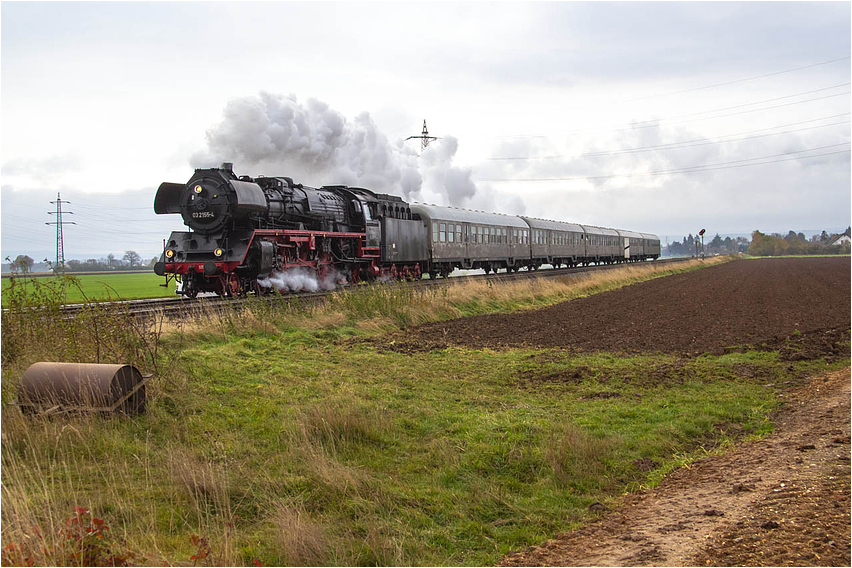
pixel 243 230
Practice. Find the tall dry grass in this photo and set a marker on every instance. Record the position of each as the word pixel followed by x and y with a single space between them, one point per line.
pixel 52 467
pixel 575 454
pixel 301 540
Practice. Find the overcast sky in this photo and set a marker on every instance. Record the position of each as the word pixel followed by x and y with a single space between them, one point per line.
pixel 658 117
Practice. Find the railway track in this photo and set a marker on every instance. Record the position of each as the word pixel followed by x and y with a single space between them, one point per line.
pixel 171 307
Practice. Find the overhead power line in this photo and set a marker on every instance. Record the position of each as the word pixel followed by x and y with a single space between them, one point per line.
pixel 704 167
pixel 745 80
pixel 655 123
pixel 688 143
pixel 733 82
pixel 746 104
pixel 669 121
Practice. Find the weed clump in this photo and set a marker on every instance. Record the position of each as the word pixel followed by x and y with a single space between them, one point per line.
pixel 577 457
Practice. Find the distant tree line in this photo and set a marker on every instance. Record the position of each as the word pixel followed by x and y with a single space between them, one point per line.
pixel 691 245
pixel 795 243
pixel 130 261
pixel 760 244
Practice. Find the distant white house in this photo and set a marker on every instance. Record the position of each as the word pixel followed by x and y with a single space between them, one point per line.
pixel 844 238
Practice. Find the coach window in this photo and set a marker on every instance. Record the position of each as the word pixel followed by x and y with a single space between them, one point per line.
pixel 458 233
pixel 434 232
pixel 451 231
pixel 443 233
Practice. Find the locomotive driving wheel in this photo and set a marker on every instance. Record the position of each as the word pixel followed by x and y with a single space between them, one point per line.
pixel 188 288
pixel 229 285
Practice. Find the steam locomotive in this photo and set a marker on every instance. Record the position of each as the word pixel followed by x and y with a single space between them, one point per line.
pixel 244 230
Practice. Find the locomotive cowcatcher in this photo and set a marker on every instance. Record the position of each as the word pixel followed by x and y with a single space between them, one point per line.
pixel 243 229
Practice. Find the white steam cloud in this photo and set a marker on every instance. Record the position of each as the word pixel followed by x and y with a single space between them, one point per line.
pixel 314 144
pixel 302 280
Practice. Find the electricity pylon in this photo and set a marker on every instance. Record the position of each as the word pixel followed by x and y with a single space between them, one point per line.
pixel 60 246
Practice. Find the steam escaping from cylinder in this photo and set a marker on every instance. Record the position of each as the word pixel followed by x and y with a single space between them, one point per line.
pixel 314 144
pixel 303 279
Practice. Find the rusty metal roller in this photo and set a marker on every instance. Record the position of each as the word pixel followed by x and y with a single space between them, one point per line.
pixel 49 388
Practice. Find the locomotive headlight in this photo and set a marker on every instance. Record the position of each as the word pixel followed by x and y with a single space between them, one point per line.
pixel 198 189
pixel 218 252
pixel 170 253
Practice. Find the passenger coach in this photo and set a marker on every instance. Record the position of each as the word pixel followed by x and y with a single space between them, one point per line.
pixel 555 243
pixel 461 238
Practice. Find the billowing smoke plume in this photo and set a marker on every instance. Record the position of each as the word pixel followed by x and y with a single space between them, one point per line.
pixel 302 280
pixel 316 145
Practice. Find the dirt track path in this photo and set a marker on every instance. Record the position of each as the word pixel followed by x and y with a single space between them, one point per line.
pixel 783 500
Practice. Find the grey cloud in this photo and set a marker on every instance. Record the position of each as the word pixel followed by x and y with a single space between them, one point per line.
pixel 42 168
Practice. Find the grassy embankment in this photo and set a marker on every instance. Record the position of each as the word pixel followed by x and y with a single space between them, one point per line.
pixel 96 287
pixel 279 434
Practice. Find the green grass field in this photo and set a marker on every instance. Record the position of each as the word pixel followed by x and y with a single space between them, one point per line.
pixel 288 435
pixel 98 287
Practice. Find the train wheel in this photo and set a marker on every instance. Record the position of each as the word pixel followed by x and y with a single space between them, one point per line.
pixel 232 285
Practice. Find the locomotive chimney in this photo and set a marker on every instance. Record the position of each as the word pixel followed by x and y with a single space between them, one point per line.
pixel 227 166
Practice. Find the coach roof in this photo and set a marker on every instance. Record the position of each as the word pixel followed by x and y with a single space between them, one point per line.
pixel 536 223
pixel 592 230
pixel 454 214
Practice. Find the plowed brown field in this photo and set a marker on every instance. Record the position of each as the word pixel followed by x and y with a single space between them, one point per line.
pixel 799 305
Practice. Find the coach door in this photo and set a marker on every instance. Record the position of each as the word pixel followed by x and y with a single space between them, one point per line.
pixel 627 247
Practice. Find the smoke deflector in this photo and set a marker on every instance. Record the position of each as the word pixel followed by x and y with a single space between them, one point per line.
pixel 168 197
